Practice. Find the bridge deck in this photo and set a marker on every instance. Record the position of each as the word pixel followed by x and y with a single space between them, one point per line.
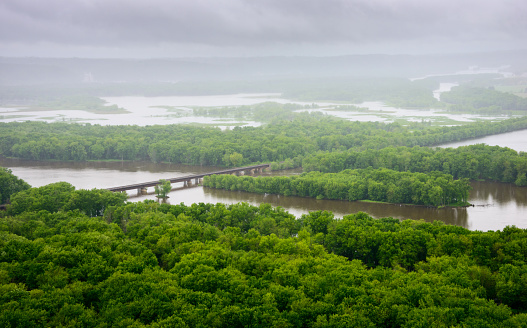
pixel 186 178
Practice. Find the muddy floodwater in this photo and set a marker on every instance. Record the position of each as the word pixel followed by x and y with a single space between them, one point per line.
pixel 496 205
pixel 178 110
pixel 143 111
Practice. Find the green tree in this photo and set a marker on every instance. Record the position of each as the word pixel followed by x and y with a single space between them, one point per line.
pixel 163 188
pixel 235 159
pixel 10 184
pixel 51 198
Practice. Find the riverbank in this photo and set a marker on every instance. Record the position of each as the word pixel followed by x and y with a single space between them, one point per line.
pixel 455 205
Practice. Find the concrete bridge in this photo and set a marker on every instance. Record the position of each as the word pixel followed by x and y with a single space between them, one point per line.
pixel 187 180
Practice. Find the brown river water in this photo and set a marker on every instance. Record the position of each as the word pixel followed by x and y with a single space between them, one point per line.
pixel 496 205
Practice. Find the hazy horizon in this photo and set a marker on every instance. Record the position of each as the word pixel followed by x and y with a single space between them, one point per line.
pixel 238 28
pixel 286 56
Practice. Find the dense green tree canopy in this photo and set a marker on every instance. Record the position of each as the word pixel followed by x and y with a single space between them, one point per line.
pixel 62 196
pixel 289 136
pixel 212 265
pixel 10 184
pixel 87 258
pixel 383 185
pixel 472 162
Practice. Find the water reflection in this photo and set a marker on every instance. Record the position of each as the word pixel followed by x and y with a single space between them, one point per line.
pixel 496 204
pixel 301 205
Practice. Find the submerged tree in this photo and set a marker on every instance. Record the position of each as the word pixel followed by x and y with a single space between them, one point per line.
pixel 163 188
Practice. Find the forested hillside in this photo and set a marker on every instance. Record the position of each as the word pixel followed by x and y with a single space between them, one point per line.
pixel 205 265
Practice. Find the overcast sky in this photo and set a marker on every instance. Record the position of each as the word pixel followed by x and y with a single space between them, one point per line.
pixel 181 28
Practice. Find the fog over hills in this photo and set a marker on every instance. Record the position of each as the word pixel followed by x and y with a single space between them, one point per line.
pixel 30 71
pixel 109 41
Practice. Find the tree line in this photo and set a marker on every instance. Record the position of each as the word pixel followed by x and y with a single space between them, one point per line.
pixel 213 265
pixel 477 99
pixel 62 196
pixel 473 162
pixel 290 136
pixel 383 185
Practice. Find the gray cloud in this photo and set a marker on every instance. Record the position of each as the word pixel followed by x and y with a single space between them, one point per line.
pixel 260 24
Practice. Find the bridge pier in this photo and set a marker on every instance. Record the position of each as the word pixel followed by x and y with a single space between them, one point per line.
pixel 197 181
pixel 189 182
pixel 142 191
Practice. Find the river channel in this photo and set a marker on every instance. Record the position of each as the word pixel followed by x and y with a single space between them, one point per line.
pixel 496 205
pixel 516 140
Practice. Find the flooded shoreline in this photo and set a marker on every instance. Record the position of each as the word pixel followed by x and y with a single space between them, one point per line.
pixel 496 205
pixel 142 111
